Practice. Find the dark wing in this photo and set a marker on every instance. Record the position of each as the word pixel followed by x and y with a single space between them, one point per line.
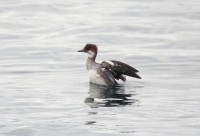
pixel 109 75
pixel 119 69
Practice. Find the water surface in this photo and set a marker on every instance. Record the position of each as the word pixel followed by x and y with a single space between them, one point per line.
pixel 44 84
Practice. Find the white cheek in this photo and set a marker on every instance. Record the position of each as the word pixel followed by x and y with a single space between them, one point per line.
pixel 91 54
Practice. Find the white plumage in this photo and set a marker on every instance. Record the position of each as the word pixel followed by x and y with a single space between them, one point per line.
pixel 96 78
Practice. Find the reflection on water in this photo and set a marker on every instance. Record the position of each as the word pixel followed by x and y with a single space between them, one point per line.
pixel 104 96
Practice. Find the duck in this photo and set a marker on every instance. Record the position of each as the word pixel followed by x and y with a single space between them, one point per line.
pixel 107 72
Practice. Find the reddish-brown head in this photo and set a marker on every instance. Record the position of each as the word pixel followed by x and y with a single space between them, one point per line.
pixel 89 48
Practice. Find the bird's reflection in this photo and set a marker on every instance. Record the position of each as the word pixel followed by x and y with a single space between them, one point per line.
pixel 103 96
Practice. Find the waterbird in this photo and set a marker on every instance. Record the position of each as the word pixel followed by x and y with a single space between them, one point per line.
pixel 107 72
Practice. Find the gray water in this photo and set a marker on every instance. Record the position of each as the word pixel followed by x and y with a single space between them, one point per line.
pixel 44 88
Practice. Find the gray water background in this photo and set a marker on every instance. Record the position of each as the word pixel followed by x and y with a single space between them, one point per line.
pixel 44 87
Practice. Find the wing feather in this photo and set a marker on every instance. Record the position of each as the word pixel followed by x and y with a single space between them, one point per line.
pixel 110 76
pixel 119 69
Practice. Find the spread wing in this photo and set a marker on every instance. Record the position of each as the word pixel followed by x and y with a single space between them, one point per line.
pixel 119 69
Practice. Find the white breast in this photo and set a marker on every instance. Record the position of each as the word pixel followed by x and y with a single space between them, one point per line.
pixel 96 78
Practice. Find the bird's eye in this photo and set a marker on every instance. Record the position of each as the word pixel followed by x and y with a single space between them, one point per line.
pixel 87 48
